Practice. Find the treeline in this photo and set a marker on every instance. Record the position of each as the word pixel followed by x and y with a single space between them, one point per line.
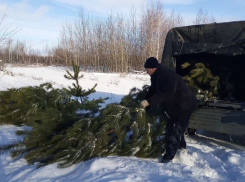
pixel 112 44
pixel 117 44
pixel 17 52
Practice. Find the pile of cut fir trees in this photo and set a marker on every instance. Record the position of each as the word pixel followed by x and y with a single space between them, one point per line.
pixel 203 83
pixel 67 127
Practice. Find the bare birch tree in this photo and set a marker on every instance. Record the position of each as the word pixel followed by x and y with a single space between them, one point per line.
pixel 6 31
pixel 203 17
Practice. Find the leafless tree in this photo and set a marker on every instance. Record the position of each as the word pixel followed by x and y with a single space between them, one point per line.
pixel 6 31
pixel 203 17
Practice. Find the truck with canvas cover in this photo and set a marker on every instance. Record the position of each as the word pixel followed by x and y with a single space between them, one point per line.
pixel 211 59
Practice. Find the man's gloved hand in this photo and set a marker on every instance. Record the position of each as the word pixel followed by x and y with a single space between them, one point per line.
pixel 144 104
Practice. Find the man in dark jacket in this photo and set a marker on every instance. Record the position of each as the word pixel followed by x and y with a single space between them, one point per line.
pixel 170 91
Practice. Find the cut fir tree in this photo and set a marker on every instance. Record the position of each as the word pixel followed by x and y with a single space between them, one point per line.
pixel 68 130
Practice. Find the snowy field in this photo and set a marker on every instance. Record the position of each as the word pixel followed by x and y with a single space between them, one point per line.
pixel 209 157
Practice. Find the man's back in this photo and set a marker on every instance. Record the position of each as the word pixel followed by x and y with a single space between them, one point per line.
pixel 171 91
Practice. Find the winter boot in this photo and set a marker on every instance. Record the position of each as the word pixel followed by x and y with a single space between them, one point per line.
pixel 165 159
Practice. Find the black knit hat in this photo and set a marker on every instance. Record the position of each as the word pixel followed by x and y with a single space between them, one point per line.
pixel 151 62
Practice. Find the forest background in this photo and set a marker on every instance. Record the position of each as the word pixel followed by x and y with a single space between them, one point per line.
pixel 115 43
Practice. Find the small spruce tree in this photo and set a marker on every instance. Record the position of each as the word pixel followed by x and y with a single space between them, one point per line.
pixel 77 90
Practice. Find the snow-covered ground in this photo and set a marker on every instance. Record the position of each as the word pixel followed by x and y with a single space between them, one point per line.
pixel 209 156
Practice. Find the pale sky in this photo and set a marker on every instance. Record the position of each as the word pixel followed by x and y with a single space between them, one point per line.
pixel 40 21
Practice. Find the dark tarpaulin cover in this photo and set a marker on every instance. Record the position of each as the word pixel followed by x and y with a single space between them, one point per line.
pixel 217 38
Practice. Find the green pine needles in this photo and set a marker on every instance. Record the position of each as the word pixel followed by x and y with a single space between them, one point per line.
pixel 77 90
pixel 68 130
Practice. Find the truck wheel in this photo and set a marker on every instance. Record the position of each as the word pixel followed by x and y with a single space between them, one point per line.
pixel 191 131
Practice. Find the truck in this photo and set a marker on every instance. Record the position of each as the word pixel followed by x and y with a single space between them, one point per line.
pixel 211 51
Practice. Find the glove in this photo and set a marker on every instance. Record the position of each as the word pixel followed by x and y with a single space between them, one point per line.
pixel 144 104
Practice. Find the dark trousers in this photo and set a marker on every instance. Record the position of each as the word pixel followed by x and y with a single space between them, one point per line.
pixel 174 135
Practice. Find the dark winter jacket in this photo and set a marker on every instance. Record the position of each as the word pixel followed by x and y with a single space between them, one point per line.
pixel 170 91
